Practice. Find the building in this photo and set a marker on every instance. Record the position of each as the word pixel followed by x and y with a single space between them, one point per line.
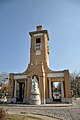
pixel 20 84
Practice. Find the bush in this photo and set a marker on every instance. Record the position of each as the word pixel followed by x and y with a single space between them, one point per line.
pixel 3 114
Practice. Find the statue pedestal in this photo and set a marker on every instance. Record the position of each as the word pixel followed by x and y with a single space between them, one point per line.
pixel 35 97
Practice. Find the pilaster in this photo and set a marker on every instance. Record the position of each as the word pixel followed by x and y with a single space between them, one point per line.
pixel 67 84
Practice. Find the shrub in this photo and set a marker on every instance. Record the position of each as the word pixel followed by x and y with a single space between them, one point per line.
pixel 3 114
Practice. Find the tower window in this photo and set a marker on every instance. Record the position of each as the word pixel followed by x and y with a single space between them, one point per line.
pixel 38 40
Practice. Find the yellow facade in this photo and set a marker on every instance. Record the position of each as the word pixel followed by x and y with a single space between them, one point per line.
pixel 20 84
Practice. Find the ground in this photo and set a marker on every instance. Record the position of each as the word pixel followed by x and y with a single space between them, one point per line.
pixel 27 117
pixel 54 112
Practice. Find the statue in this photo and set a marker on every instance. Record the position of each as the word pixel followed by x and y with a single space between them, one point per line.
pixel 35 94
pixel 34 84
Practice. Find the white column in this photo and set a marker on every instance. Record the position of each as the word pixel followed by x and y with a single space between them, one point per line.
pixel 25 90
pixel 50 92
pixel 15 89
pixel 62 89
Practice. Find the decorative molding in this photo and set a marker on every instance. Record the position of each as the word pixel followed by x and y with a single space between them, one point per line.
pixel 20 76
pixel 38 34
pixel 53 75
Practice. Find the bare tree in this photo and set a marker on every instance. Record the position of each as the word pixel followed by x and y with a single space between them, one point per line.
pixel 3 77
pixel 3 83
pixel 75 83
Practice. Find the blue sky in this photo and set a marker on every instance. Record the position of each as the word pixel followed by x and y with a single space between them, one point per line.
pixel 19 17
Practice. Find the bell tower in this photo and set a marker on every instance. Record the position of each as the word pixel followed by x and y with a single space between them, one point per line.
pixel 35 84
pixel 39 50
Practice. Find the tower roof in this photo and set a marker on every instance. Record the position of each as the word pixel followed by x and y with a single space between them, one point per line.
pixel 39 30
pixel 39 27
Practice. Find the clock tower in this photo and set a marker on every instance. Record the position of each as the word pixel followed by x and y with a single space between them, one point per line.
pixel 39 51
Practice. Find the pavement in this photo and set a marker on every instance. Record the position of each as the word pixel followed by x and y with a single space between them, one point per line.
pixel 58 111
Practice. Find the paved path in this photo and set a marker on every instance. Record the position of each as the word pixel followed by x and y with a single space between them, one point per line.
pixel 61 113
